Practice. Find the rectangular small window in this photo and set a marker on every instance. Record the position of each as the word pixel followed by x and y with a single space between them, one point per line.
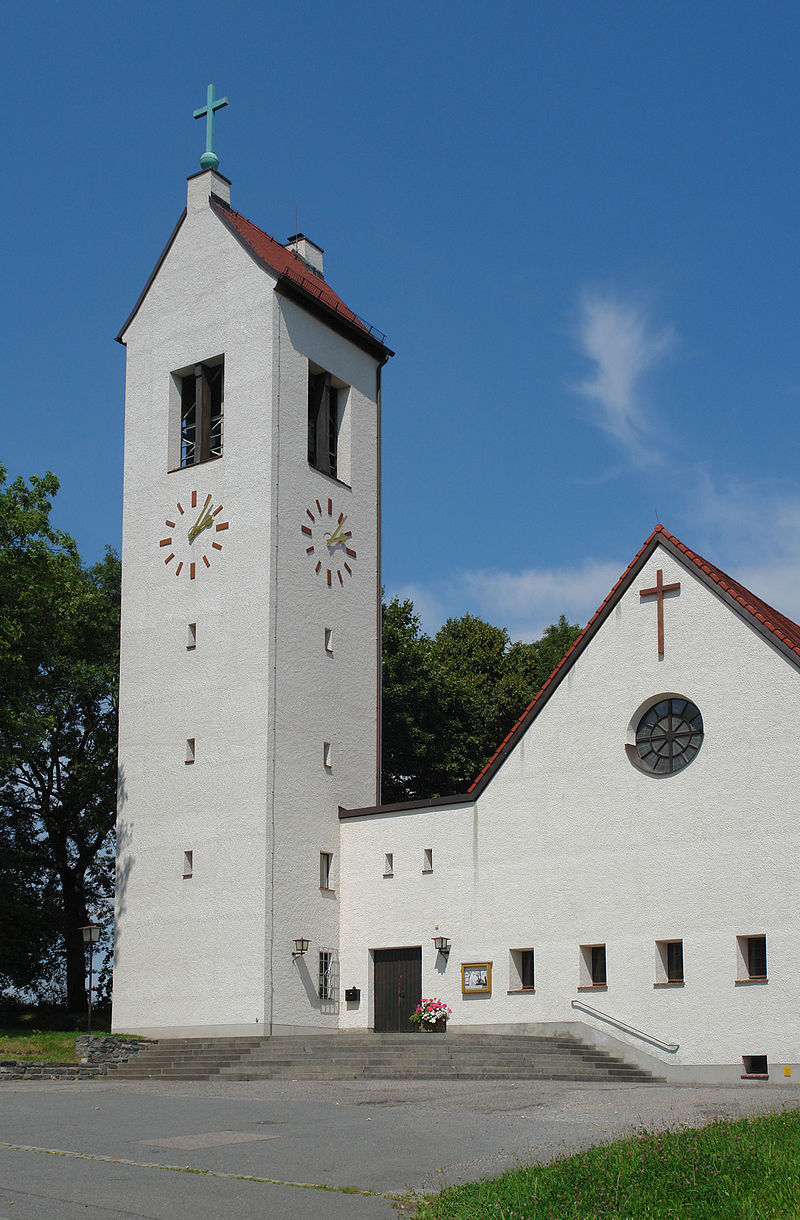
pixel 326 754
pixel 757 957
pixel 669 962
pixel 427 860
pixel 521 975
pixel 328 639
pixel 188 867
pixel 325 870
pixel 189 750
pixel 202 407
pixel 325 988
pixel 592 966
pixel 191 641
pixel 388 864
pixel 752 959
pixel 675 961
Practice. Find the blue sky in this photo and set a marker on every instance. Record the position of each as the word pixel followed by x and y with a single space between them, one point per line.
pixel 577 225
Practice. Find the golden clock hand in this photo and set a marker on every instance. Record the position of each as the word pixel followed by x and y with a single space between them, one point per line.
pixel 337 535
pixel 203 521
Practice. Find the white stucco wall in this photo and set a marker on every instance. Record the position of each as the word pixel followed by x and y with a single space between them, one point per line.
pixel 258 694
pixel 570 844
pixel 321 696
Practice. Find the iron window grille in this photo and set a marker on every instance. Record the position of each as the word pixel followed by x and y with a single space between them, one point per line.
pixel 327 975
pixel 202 413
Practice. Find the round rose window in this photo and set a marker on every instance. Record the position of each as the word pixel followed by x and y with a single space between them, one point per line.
pixel 668 736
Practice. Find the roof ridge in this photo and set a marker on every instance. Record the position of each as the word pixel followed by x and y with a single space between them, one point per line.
pixel 288 265
pixel 562 663
pixel 750 601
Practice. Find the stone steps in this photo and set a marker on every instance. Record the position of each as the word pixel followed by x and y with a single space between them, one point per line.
pixel 368 1056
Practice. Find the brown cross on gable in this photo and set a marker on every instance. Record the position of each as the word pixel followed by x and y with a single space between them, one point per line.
pixel 658 592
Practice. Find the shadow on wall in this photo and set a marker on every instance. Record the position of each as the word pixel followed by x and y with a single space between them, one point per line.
pixel 311 984
pixel 124 853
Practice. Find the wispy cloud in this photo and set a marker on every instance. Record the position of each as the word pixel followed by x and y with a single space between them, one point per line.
pixel 751 530
pixel 619 339
pixel 525 602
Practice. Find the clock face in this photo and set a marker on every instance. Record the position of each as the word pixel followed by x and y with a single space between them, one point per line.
pixel 195 535
pixel 328 539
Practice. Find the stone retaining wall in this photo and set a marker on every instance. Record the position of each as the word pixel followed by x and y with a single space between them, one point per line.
pixel 95 1055
pixel 24 1069
pixel 105 1048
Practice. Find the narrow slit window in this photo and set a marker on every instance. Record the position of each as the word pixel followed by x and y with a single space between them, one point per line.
pixel 326 975
pixel 675 961
pixel 757 957
pixel 427 860
pixel 323 422
pixel 752 959
pixel 598 965
pixel 388 864
pixel 329 639
pixel 592 966
pixel 188 863
pixel 669 962
pixel 189 750
pixel 326 870
pixel 326 755
pixel 521 977
pixel 191 639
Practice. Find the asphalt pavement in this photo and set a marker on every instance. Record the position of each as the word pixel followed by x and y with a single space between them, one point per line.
pixel 292 1150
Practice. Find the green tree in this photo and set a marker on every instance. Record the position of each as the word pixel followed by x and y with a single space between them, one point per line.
pixel 448 701
pixel 59 657
pixel 409 711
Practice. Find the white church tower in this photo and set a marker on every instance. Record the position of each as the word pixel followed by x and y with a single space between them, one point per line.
pixel 250 625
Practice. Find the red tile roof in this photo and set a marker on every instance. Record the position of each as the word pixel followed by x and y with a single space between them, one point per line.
pixel 778 624
pixel 285 263
pixel 774 623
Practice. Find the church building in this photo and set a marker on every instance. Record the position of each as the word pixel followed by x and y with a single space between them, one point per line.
pixel 624 866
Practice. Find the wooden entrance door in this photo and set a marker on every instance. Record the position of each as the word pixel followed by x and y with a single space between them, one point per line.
pixel 398 988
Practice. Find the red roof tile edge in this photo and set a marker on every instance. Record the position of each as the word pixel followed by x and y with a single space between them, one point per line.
pixel 783 628
pixel 285 262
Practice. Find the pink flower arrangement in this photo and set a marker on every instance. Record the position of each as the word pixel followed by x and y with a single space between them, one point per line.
pixel 428 1012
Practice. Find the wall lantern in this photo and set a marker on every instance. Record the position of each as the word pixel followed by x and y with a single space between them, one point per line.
pixel 91 935
pixel 300 946
pixel 442 944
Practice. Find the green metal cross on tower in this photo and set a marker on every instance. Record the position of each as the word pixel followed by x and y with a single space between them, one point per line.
pixel 209 159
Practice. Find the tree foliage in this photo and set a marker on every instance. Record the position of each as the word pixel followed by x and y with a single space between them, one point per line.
pixel 59 655
pixel 450 699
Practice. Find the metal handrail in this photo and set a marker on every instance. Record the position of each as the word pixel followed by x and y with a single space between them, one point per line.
pixel 671 1047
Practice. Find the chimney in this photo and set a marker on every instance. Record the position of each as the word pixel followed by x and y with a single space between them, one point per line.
pixel 308 251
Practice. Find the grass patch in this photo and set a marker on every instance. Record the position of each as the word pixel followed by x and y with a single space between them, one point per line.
pixel 748 1169
pixel 51 1045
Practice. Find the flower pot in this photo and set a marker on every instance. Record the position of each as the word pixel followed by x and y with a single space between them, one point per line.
pixel 438 1027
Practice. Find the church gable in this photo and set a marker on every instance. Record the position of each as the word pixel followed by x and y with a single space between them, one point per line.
pixel 760 621
pixel 198 249
pixel 202 275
